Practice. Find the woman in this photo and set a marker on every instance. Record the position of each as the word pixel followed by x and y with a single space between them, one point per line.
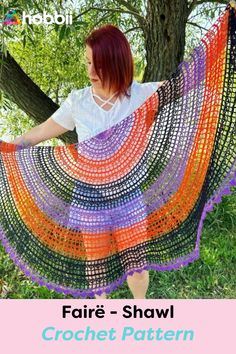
pixel 112 96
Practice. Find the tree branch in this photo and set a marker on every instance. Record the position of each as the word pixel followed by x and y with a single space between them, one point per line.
pixel 195 3
pixel 192 6
pixel 197 15
pixel 137 15
pixel 199 2
pixel 127 5
pixel 132 29
pixel 196 25
pixel 101 19
pixel 28 96
pixel 140 18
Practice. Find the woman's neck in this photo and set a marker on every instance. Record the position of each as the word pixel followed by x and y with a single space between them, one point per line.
pixel 104 94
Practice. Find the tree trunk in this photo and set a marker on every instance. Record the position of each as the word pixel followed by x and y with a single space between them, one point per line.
pixel 164 35
pixel 27 95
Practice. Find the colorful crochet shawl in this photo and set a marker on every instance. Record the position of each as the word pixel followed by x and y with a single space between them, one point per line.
pixel 80 218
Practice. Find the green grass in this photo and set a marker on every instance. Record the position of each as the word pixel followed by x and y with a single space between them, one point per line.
pixel 213 275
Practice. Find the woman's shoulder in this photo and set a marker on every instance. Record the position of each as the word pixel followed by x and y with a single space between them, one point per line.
pixel 80 93
pixel 141 91
pixel 152 85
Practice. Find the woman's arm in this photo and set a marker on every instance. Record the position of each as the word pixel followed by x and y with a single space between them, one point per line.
pixel 44 131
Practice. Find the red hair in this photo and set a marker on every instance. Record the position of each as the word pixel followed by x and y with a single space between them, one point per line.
pixel 112 58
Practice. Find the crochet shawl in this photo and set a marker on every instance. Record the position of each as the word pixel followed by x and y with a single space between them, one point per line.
pixel 80 218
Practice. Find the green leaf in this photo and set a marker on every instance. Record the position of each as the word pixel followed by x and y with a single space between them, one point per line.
pixel 56 27
pixel 31 39
pixel 67 32
pixel 62 33
pixel 24 41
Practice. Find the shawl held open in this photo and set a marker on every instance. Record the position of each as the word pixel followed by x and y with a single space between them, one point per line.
pixel 80 218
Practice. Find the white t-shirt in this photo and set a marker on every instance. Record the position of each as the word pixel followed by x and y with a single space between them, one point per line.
pixel 79 110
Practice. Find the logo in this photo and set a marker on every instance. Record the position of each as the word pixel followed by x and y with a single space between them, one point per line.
pixel 11 18
pixel 47 18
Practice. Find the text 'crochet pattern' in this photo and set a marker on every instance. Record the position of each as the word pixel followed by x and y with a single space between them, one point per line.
pixel 80 218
